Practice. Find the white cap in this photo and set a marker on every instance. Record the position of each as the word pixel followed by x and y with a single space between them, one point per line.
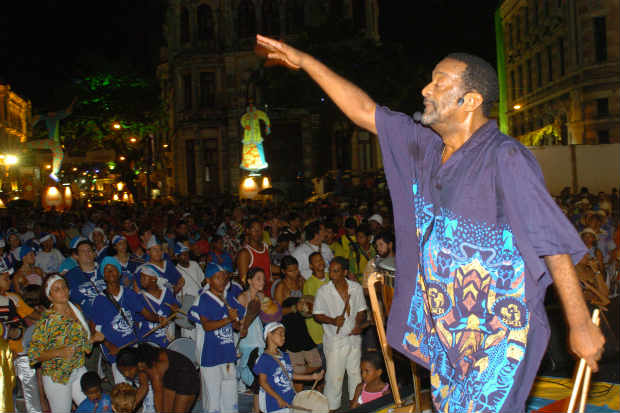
pixel 377 218
pixel 271 327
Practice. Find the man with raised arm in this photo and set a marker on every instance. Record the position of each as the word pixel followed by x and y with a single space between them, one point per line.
pixel 479 239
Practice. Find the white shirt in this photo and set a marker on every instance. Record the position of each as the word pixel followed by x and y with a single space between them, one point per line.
pixel 49 262
pixel 303 252
pixel 328 302
pixel 193 276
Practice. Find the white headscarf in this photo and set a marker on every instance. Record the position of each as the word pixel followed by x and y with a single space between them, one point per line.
pixel 73 307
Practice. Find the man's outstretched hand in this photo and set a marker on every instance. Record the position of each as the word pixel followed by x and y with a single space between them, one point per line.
pixel 278 52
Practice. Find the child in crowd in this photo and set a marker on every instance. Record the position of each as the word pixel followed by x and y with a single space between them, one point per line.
pixel 318 279
pixel 301 348
pixel 96 400
pixel 275 373
pixel 217 364
pixel 372 386
pixel 123 398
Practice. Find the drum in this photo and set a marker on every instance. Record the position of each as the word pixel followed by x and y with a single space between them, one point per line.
pixel 181 319
pixel 185 346
pixel 310 401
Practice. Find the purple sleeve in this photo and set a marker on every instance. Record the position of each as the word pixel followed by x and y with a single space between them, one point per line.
pixel 530 208
pixel 397 136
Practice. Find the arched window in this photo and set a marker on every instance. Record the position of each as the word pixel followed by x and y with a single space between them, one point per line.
pixel 359 14
pixel 205 23
pixel 271 16
pixel 294 15
pixel 184 25
pixel 247 19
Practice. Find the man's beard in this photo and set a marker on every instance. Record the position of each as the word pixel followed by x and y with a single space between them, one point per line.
pixel 430 115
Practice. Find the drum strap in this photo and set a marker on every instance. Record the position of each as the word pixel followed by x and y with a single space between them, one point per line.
pixel 119 308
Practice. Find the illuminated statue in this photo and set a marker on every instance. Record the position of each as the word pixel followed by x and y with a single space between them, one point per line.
pixel 52 122
pixel 253 154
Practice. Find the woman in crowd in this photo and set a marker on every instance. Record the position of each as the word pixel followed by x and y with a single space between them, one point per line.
pixel 128 263
pixel 172 376
pixel 60 342
pixel 100 243
pixel 160 301
pixel 116 313
pixel 27 273
pixel 13 247
pixel 253 341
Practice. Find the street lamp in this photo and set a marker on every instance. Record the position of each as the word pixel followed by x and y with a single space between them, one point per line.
pixel 11 160
pixel 116 125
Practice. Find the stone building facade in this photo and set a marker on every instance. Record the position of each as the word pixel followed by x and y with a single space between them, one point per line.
pixel 15 118
pixel 561 65
pixel 208 73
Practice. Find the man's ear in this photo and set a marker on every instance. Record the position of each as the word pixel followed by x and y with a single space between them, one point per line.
pixel 472 101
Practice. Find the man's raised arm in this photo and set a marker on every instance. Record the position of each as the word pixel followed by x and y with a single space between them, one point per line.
pixel 352 100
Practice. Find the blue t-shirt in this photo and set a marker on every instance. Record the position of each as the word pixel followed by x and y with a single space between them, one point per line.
pixel 118 329
pixel 158 306
pixel 219 344
pixel 67 265
pixel 84 288
pixel 128 271
pixel 169 271
pixel 222 259
pixel 232 290
pixel 103 405
pixel 279 381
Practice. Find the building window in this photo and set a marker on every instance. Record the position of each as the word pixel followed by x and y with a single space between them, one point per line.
pixel 549 64
pixel 603 136
pixel 526 20
pixel 359 14
pixel 513 85
pixel 529 75
pixel 271 16
pixel 335 8
pixel 190 166
pixel 546 7
pixel 562 59
pixel 294 15
pixel 602 107
pixel 187 91
pixel 205 23
pixel 535 13
pixel 520 78
pixel 538 70
pixel 247 19
pixel 510 45
pixel 518 29
pixel 184 26
pixel 207 89
pixel 600 39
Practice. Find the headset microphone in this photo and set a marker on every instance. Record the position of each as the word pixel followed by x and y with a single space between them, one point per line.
pixel 460 101
pixel 417 116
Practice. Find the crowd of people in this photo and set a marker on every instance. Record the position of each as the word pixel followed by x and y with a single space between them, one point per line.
pixel 268 297
pixel 596 217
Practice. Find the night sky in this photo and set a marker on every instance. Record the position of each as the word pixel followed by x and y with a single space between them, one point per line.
pixel 46 43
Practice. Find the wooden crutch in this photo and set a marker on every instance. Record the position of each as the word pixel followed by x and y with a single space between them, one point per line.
pixel 577 387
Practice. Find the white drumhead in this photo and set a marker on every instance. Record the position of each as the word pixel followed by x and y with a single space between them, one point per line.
pixel 312 400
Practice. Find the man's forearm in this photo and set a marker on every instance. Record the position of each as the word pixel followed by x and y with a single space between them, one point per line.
pixel 567 284
pixel 352 100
